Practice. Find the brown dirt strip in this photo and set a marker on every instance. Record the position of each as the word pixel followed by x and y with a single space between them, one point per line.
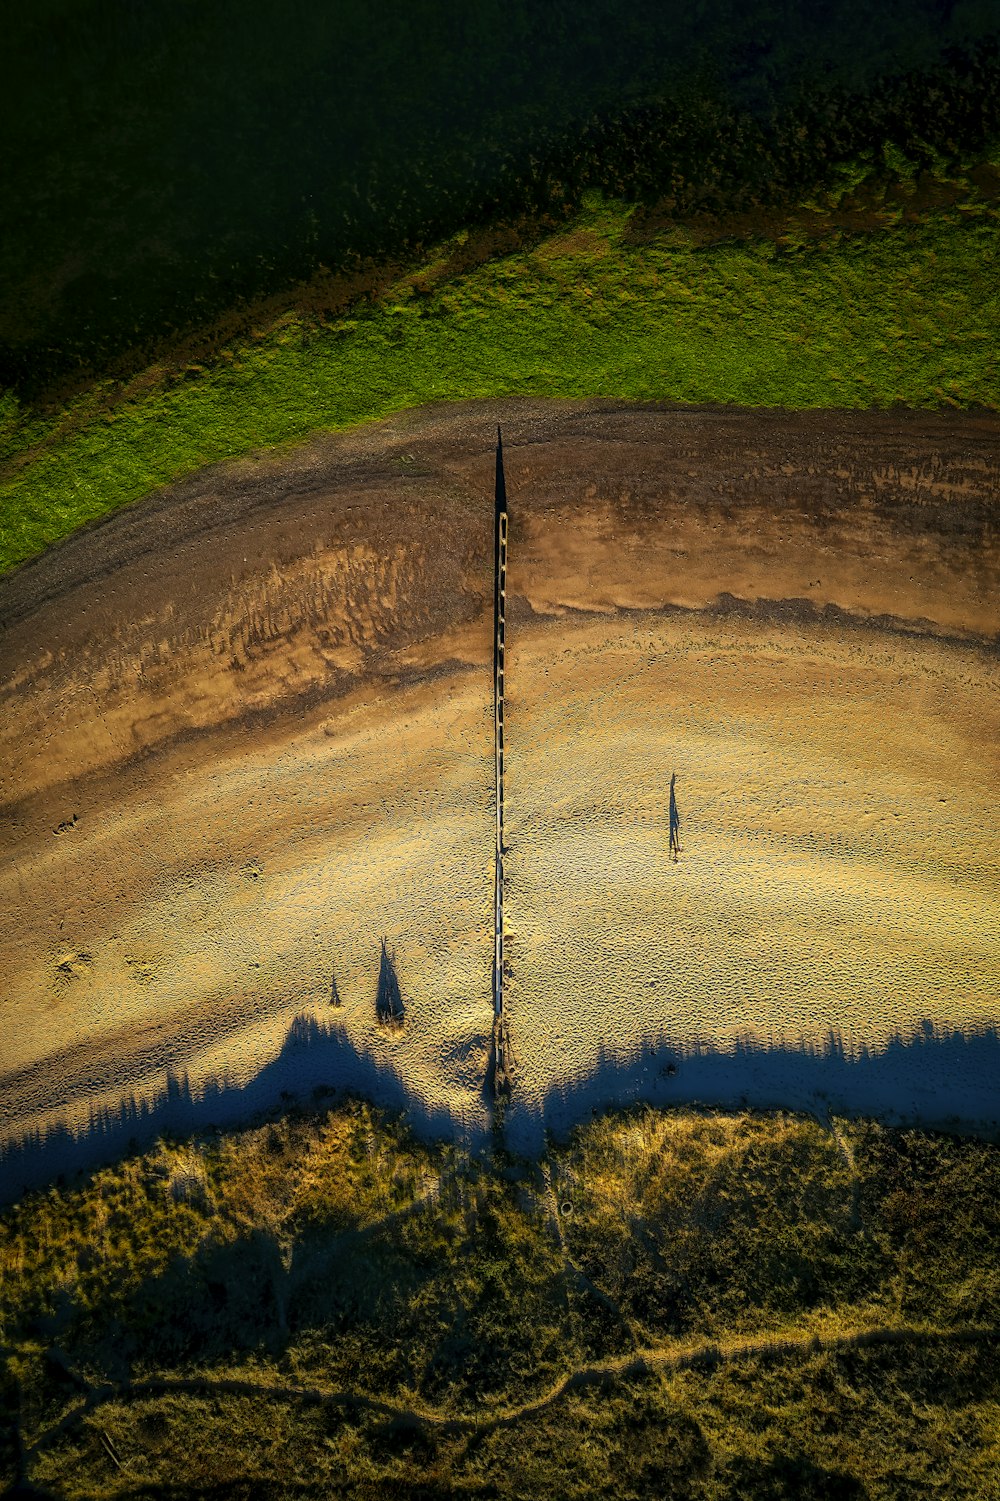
pixel 257 588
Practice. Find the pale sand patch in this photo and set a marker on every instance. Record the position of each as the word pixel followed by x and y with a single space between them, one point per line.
pixel 243 886
pixel 839 869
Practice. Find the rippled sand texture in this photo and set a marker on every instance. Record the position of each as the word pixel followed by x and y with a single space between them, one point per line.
pixel 216 902
pixel 839 865
pixel 246 732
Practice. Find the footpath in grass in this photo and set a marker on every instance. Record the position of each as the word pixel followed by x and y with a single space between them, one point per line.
pixel 684 1303
pixel 902 315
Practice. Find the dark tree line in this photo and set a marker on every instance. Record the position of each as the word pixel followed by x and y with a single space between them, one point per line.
pixel 168 163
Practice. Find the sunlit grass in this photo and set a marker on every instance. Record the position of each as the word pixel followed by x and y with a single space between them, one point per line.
pixel 904 315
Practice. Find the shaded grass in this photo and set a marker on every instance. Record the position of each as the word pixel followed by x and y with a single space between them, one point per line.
pixel 434 1306
pixel 907 315
pixel 185 161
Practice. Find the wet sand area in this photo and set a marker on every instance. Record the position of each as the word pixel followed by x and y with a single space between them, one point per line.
pixel 247 732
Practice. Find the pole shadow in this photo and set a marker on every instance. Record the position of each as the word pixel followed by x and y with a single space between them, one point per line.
pixel 388 996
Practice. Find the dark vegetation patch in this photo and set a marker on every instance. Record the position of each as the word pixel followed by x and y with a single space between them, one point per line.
pixel 230 226
pixel 175 174
pixel 738 1306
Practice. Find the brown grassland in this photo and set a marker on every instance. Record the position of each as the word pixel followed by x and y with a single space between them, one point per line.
pixel 676 1303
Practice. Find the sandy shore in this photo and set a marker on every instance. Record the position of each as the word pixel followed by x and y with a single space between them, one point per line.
pixel 247 731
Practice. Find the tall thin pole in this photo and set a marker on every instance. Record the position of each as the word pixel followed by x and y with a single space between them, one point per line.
pixel 502 1060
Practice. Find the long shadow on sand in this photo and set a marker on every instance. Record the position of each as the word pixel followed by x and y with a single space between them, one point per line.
pixel 934 1077
pixel 315 1060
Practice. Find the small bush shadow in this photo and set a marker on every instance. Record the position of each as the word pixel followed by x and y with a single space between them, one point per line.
pixel 388 996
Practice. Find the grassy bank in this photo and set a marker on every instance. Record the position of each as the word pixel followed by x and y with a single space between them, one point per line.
pixel 698 1305
pixel 904 310
pixel 184 161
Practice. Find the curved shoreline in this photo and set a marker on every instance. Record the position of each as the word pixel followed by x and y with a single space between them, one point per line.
pixel 246 727
pixel 366 555
pixel 226 494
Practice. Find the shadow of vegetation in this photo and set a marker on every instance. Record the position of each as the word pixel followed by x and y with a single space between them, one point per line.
pixel 240 1489
pixel 256 1294
pixel 790 1475
pixel 388 996
pixel 932 1077
pixel 315 1060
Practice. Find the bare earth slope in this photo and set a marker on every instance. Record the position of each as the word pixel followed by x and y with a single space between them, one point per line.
pixel 247 731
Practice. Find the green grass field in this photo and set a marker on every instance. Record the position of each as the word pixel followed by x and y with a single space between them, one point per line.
pixel 904 313
pixel 675 1303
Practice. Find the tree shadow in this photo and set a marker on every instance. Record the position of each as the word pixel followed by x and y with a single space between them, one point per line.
pixel 932 1077
pixel 316 1060
pixel 388 996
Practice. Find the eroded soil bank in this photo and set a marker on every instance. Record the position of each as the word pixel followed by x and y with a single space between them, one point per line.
pixel 247 730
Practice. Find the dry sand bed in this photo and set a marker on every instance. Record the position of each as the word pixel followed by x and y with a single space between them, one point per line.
pixel 839 870
pixel 265 698
pixel 216 902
